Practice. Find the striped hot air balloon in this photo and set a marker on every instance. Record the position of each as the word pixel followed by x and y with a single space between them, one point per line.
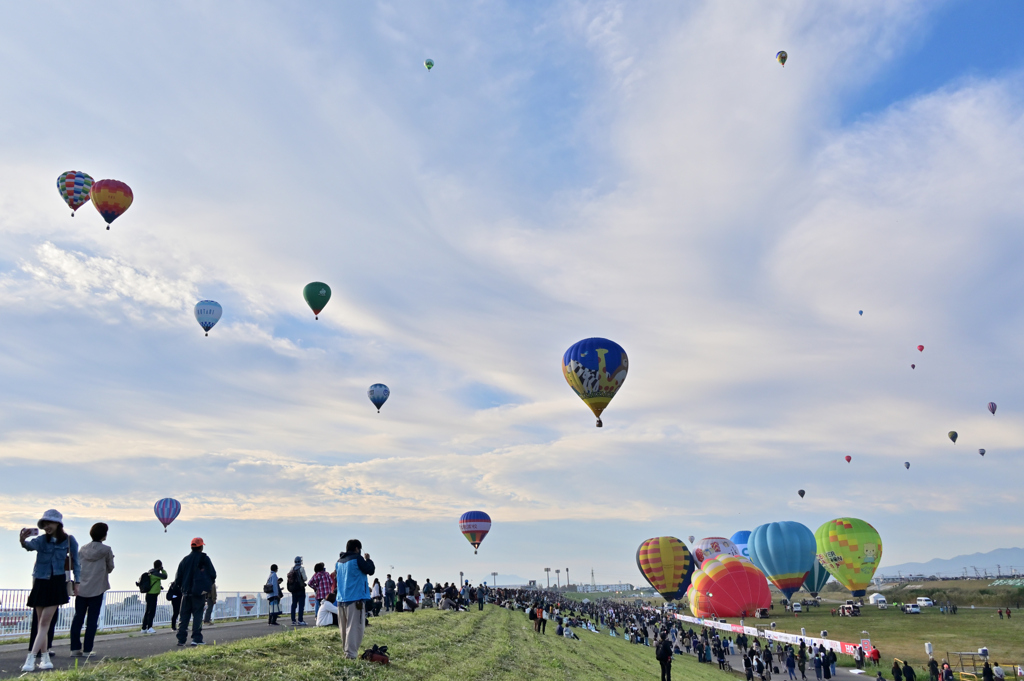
pixel 166 511
pixel 728 586
pixel 111 198
pixel 474 526
pixel 667 565
pixel 74 187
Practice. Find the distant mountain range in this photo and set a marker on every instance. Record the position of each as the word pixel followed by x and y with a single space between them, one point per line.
pixel 954 567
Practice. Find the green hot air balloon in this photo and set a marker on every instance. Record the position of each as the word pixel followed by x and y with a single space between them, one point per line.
pixel 316 294
pixel 429 63
pixel 953 436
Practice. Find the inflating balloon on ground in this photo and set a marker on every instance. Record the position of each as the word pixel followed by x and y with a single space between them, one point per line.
pixel 850 549
pixel 784 552
pixel 728 586
pixel 667 565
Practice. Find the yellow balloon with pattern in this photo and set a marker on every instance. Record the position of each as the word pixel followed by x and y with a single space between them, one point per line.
pixel 850 549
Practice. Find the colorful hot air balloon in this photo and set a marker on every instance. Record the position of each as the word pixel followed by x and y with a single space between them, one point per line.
pixel 740 539
pixel 475 525
pixel 691 538
pixel 784 552
pixel 667 565
pixel 781 57
pixel 850 549
pixel 816 579
pixel 595 369
pixel 801 493
pixel 952 436
pixel 728 586
pixel 992 407
pixel 848 458
pixel 74 187
pixel 378 394
pixel 906 464
pixel 920 348
pixel 317 295
pixel 709 547
pixel 981 451
pixel 208 313
pixel 111 198
pixel 166 511
pixel 429 64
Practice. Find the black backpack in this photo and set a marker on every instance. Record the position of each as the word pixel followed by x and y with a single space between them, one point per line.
pixel 145 583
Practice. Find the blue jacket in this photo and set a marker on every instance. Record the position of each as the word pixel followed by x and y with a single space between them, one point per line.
pixel 352 583
pixel 50 556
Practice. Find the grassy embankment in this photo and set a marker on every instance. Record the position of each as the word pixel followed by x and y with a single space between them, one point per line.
pixel 494 644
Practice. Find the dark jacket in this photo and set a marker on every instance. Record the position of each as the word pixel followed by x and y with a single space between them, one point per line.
pixel 196 574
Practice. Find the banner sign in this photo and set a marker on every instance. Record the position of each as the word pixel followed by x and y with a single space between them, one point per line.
pixel 840 647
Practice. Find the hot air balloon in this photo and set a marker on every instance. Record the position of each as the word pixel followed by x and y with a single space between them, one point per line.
pixel 781 57
pixel 111 198
pixel 848 458
pixel 992 407
pixel 667 565
pixel 816 579
pixel 166 511
pixel 784 552
pixel 378 394
pixel 317 295
pixel 429 64
pixel 728 586
pixel 208 313
pixel 953 436
pixel 906 464
pixel 801 493
pixel 740 539
pixel 920 348
pixel 475 525
pixel 850 549
pixel 860 312
pixel 981 451
pixel 74 187
pixel 709 547
pixel 690 538
pixel 913 366
pixel 595 369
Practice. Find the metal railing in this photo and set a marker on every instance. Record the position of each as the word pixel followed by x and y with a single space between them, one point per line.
pixel 124 610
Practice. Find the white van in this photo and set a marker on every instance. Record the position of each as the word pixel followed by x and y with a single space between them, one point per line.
pixel 797 607
pixel 925 602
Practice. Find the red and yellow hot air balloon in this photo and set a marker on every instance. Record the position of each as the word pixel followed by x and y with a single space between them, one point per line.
pixel 667 565
pixel 111 198
pixel 728 586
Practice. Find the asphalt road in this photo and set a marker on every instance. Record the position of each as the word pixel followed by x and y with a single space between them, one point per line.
pixel 135 644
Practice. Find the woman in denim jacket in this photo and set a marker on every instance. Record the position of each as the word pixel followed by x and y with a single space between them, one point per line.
pixel 49 582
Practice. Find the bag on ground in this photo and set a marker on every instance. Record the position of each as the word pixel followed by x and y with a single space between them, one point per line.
pixel 378 654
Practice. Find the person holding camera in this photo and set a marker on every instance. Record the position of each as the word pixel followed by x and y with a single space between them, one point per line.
pixel 195 575
pixel 352 571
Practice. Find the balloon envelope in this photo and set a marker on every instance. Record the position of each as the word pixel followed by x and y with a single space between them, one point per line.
pixel 166 511
pixel 953 436
pixel 782 57
pixel 801 493
pixel 920 348
pixel 728 586
pixel 817 578
pixel 850 549
pixel 913 366
pixel 848 458
pixel 740 539
pixel 667 565
pixel 595 369
pixel 74 187
pixel 111 198
pixel 860 312
pixel 474 526
pixel 784 552
pixel 709 547
pixel 317 295
pixel 378 394
pixel 992 407
pixel 691 538
pixel 981 451
pixel 208 313
pixel 429 63
pixel 906 464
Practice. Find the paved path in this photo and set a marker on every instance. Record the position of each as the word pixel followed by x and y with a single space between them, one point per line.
pixel 135 644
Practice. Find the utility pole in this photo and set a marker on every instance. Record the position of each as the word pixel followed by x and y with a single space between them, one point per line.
pixel 592 582
pixel 567 578
pixel 495 582
pixel 558 581
pixel 548 570
pixel 999 570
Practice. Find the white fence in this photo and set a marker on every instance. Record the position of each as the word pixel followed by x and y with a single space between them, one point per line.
pixel 124 610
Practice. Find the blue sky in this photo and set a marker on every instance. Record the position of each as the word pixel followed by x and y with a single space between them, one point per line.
pixel 649 174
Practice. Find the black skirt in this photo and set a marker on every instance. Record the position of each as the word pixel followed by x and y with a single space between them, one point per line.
pixel 48 592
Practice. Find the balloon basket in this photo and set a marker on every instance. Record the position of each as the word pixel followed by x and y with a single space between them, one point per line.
pixel 108 228
pixel 207 333
pixel 599 424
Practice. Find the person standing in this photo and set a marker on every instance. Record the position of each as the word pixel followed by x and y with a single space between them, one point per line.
pixel 156 577
pixel 296 584
pixel 196 575
pixel 663 653
pixel 211 603
pixel 273 596
pixel 933 669
pixel 817 667
pixel 402 591
pixel 908 672
pixel 896 671
pixel 353 592
pixel 322 585
pixel 56 560
pixel 389 594
pixel 174 596
pixel 832 659
pixel 377 595
pixel 97 563
pixel 481 595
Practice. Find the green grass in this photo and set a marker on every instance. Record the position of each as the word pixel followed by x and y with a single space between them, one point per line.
pixel 495 644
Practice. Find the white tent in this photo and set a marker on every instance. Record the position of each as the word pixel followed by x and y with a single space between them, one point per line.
pixel 875 599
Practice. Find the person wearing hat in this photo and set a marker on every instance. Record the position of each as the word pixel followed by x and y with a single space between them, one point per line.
pixel 56 558
pixel 296 583
pixel 195 576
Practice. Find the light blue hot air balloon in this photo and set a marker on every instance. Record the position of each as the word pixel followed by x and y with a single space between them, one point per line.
pixel 378 394
pixel 740 539
pixel 208 313
pixel 784 552
pixel 817 579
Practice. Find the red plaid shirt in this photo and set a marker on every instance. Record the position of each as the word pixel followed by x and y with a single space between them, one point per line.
pixel 323 584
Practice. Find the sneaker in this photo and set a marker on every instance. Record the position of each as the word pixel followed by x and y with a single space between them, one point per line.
pixel 151 630
pixel 303 624
pixel 76 653
pixel 181 645
pixel 45 663
pixel 30 663
pixel 88 654
pixel 197 643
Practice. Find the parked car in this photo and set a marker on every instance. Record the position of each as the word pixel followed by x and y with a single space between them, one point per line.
pixel 912 609
pixel 849 611
pixel 925 602
pixel 797 607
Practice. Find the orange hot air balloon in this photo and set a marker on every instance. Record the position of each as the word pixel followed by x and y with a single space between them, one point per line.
pixel 728 586
pixel 667 565
pixel 111 198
